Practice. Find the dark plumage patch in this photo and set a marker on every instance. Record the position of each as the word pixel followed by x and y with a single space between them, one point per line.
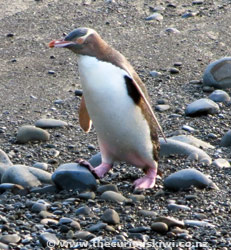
pixel 132 90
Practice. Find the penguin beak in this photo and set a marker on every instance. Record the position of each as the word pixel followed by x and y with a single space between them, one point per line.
pixel 60 43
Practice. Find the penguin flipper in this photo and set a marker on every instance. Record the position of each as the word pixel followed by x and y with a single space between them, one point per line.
pixel 84 118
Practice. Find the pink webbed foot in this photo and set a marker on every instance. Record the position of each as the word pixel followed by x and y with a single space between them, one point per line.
pixel 148 181
pixel 99 171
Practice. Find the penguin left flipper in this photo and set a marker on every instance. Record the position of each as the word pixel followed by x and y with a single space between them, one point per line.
pixel 84 118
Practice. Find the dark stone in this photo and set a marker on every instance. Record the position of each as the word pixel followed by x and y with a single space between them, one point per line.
pixel 71 176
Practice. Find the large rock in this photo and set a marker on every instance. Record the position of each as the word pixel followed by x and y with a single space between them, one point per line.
pixel 50 123
pixel 186 178
pixel 5 162
pixel 218 74
pixel 202 106
pixel 219 95
pixel 30 133
pixel 26 176
pixel 176 147
pixel 71 176
pixel 226 139
pixel 189 139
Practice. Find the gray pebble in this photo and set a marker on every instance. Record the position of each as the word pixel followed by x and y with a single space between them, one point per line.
pixel 40 165
pixel 78 92
pixel 38 207
pixel 188 128
pixel 30 133
pixel 172 30
pixel 137 197
pixel 176 207
pixel 170 221
pixel 50 123
pixel 26 176
pixel 45 214
pixel 162 108
pixel 85 210
pixel 10 238
pixel 226 140
pixel 198 223
pixel 14 188
pixel 113 196
pixel 96 160
pixel 84 235
pixel 147 213
pixel 221 163
pixel 97 227
pixel 44 238
pixel 159 227
pixel 181 148
pixel 110 216
pixel 86 195
pixel 155 73
pixel 51 72
pixel 218 74
pixel 155 16
pixel 49 222
pixel 186 178
pixel 189 14
pixel 107 187
pixel 174 71
pixel 71 176
pixel 219 96
pixel 201 107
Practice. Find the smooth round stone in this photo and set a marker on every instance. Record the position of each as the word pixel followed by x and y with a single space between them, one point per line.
pixel 87 195
pixel 26 176
pixel 189 14
pixel 46 238
pixel 155 16
pixel 188 128
pixel 226 140
pixel 221 163
pixel 85 210
pixel 155 73
pixel 181 148
pixel 162 107
pixel 38 207
pixel 97 227
pixel 174 71
pixel 107 187
pixel 186 178
pixel 139 229
pixel 189 139
pixel 170 221
pixel 10 238
pixel 172 30
pixel 218 74
pixel 159 227
pixel 219 95
pixel 48 221
pixel 96 160
pixel 201 107
pixel 78 92
pixel 45 214
pixel 176 207
pixel 110 216
pixel 50 123
pixel 30 133
pixel 113 196
pixel 40 165
pixel 137 197
pixel 84 235
pixel 71 176
pixel 147 213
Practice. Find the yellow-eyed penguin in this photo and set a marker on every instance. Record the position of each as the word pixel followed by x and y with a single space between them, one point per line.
pixel 116 101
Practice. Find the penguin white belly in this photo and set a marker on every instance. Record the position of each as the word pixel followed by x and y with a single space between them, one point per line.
pixel 119 122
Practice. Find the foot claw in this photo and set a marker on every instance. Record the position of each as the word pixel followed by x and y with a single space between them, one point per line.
pixel 87 165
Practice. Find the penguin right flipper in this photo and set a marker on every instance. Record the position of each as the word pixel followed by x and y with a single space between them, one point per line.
pixel 84 118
